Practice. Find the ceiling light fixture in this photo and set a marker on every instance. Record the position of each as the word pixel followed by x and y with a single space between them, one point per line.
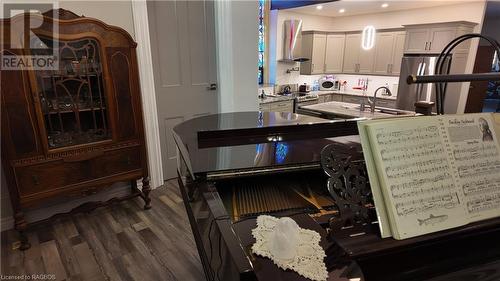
pixel 368 37
pixel 385 5
pixel 341 11
pixel 319 7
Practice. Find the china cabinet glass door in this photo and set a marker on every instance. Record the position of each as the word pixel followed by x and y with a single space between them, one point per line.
pixel 72 98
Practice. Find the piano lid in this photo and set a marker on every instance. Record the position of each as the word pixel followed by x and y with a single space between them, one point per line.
pixel 248 141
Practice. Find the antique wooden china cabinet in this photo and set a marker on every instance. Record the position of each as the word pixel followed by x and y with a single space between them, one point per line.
pixel 70 131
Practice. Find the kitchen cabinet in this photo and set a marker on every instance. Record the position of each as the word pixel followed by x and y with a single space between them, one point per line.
pixel 313 47
pixel 378 102
pixel 432 38
pixel 279 106
pixel 351 53
pixel 334 56
pixel 356 59
pixel 336 97
pixel 388 53
pixel 326 52
pixel 398 52
pixel 385 103
pixel 352 99
pixel 323 98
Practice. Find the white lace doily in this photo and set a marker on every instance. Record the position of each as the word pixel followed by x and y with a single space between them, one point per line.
pixel 309 259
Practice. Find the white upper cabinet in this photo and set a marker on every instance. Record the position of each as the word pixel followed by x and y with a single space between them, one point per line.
pixel 432 38
pixel 351 53
pixel 398 52
pixel 314 48
pixel 384 51
pixel 389 52
pixel 417 40
pixel 366 60
pixel 334 57
pixel 440 37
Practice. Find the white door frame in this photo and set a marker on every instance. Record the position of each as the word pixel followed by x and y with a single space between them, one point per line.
pixel 151 129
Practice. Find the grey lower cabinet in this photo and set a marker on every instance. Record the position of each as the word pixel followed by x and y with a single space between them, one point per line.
pixel 379 102
pixel 385 103
pixel 329 97
pixel 352 99
pixel 279 106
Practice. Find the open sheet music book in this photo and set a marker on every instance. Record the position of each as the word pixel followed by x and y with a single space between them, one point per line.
pixel 432 173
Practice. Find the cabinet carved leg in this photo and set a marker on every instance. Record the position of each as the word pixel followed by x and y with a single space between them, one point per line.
pixel 146 189
pixel 20 225
pixel 133 186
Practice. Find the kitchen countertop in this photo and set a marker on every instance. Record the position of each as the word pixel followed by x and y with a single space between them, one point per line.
pixel 349 110
pixel 353 93
pixel 269 99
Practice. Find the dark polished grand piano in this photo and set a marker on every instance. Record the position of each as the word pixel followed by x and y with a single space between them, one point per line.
pixel 233 167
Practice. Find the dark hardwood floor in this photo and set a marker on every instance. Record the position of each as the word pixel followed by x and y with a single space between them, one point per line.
pixel 119 242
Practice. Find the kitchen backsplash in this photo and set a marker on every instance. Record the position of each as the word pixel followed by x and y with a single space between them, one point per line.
pixel 352 80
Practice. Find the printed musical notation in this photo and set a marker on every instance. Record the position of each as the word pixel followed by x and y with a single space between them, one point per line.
pixel 419 191
pixel 475 152
pixel 483 203
pixel 475 169
pixel 483 185
pixel 425 204
pixel 397 137
pixel 417 169
pixel 410 151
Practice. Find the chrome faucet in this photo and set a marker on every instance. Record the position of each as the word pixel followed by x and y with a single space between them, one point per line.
pixel 372 102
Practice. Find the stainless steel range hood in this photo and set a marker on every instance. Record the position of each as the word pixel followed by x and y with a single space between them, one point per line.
pixel 292 46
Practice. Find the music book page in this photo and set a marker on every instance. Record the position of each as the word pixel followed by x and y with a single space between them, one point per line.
pixel 434 173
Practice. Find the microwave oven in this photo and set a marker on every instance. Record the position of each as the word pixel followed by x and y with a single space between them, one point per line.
pixel 328 84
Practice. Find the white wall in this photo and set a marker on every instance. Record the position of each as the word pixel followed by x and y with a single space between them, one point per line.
pixel 278 73
pixel 117 13
pixel 237 53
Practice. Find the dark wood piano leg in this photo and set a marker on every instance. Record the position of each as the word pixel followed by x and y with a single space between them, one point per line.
pixel 146 189
pixel 20 225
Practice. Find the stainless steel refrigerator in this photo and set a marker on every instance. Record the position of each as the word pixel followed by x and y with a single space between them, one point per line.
pixel 417 64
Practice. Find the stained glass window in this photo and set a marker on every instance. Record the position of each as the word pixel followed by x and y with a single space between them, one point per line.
pixel 262 45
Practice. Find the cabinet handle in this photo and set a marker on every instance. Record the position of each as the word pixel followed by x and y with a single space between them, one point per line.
pixel 430 45
pixel 388 68
pixel 426 43
pixel 390 71
pixel 312 67
pixel 36 180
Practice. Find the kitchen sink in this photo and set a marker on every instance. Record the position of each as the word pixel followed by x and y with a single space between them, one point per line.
pixel 384 110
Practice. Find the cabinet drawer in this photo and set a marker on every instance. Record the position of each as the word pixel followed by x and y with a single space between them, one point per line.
pixel 264 107
pixel 49 176
pixel 352 99
pixel 336 97
pixel 386 103
pixel 117 161
pixel 322 98
pixel 282 107
pixel 59 174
